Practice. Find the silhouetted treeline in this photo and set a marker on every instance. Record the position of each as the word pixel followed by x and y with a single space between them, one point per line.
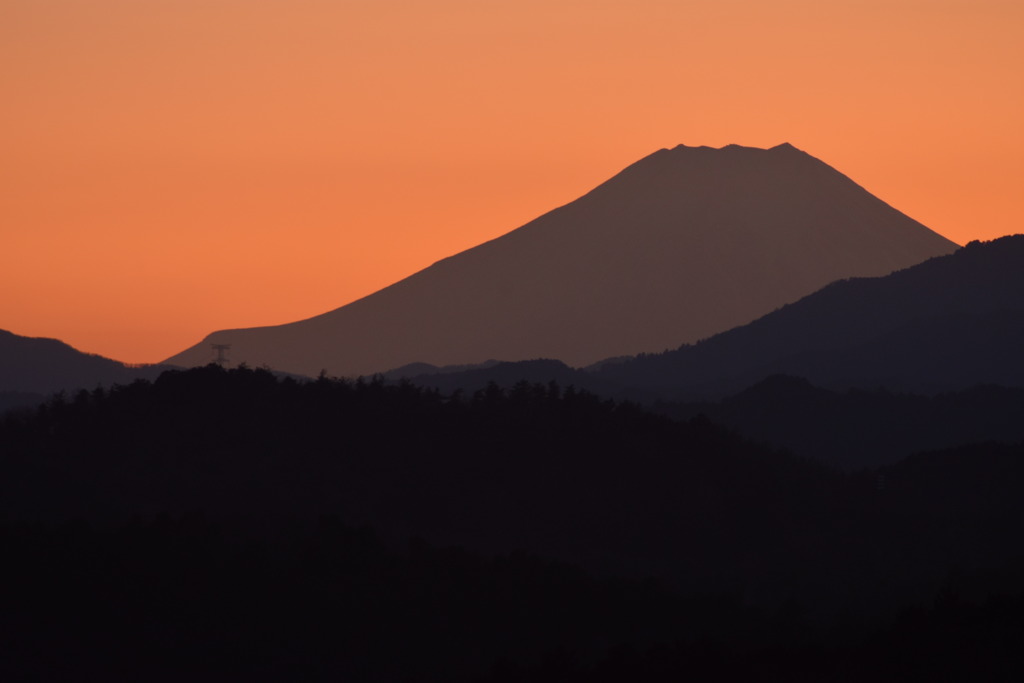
pixel 749 538
pixel 554 471
pixel 851 429
pixel 507 375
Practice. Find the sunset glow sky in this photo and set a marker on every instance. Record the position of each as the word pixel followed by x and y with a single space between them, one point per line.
pixel 172 167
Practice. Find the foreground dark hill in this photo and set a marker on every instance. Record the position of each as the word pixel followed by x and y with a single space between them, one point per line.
pixel 683 244
pixel 171 527
pixel 534 468
pixel 38 366
pixel 561 473
pixel 950 323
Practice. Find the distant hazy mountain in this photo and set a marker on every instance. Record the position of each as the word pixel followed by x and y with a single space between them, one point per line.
pixel 861 428
pixel 681 245
pixel 952 322
pixel 38 366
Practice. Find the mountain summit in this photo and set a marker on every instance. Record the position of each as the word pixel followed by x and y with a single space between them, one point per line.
pixel 683 244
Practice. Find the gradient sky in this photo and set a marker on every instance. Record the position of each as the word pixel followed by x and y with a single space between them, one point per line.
pixel 172 167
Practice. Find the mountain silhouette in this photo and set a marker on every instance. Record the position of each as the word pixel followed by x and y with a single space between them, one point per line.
pixel 860 428
pixel 949 323
pixel 31 366
pixel 683 244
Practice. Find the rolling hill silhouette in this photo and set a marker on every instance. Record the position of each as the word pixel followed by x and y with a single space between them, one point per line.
pixel 949 323
pixel 860 428
pixel 683 244
pixel 33 366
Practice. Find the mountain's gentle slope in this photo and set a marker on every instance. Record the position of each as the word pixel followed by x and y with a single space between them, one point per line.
pixel 949 323
pixel 683 244
pixel 31 365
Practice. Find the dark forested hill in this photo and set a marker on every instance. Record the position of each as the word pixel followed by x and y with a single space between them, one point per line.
pixel 178 519
pixel 559 472
pixel 850 429
pixel 552 471
pixel 952 322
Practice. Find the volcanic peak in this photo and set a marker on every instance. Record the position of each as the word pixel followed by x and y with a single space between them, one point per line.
pixel 783 147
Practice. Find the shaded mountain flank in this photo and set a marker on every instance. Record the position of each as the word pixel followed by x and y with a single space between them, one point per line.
pixel 32 367
pixel 949 323
pixel 683 244
pixel 861 428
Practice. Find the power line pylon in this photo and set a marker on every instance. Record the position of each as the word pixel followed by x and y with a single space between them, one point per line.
pixel 221 350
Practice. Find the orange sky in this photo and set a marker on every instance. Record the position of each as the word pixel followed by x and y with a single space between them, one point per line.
pixel 171 167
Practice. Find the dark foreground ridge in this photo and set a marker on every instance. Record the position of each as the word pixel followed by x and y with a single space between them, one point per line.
pixel 171 599
pixel 212 525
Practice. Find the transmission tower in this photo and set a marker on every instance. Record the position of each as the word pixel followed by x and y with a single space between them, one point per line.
pixel 221 350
